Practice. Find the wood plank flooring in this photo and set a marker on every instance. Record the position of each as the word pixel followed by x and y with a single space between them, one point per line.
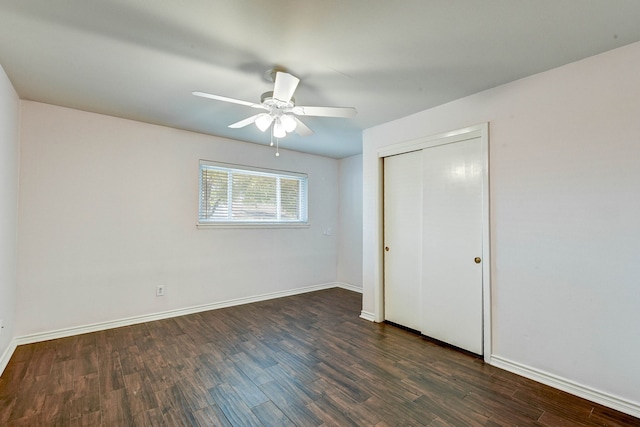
pixel 305 360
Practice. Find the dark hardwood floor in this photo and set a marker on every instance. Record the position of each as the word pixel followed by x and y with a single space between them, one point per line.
pixel 305 360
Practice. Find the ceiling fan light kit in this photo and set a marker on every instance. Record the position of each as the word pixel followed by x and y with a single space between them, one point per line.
pixel 263 121
pixel 281 109
pixel 278 129
pixel 288 123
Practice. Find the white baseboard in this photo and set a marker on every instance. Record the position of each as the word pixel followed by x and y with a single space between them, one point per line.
pixel 368 316
pixel 6 356
pixel 349 287
pixel 94 327
pixel 67 332
pixel 606 399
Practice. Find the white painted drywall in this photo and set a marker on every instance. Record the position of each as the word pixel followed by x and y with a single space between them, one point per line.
pixel 565 216
pixel 108 211
pixel 350 221
pixel 9 172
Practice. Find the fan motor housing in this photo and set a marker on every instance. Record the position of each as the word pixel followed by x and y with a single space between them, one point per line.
pixel 268 99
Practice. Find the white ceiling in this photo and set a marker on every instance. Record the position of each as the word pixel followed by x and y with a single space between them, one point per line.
pixel 141 59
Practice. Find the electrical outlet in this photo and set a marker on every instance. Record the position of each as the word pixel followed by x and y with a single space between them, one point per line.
pixel 160 290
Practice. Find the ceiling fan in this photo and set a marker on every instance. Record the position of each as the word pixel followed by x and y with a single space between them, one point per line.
pixel 280 107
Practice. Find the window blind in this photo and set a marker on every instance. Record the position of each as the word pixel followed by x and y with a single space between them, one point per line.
pixel 237 194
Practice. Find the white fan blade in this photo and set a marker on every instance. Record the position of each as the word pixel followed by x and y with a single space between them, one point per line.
pixel 225 99
pixel 345 112
pixel 301 128
pixel 284 87
pixel 245 122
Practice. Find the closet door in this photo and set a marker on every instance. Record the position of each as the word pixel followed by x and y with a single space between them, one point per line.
pixel 403 238
pixel 451 260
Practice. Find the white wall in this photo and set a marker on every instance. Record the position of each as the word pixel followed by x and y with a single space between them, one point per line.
pixel 108 211
pixel 565 218
pixel 350 221
pixel 9 170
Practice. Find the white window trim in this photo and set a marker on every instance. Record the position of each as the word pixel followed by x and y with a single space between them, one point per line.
pixel 252 224
pixel 206 225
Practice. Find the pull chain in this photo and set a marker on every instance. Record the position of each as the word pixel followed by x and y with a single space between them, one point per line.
pixel 277 143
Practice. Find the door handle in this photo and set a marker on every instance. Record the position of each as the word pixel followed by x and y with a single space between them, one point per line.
pixel 477 260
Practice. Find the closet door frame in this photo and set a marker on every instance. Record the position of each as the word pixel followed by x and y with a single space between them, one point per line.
pixel 480 131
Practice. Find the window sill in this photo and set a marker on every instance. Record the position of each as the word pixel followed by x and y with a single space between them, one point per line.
pixel 207 226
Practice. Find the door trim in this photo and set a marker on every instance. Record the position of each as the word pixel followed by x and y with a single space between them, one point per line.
pixel 480 131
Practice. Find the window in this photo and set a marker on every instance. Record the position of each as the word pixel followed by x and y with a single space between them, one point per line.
pixel 241 195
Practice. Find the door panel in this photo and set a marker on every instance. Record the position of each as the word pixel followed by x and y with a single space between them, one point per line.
pixel 402 235
pixel 451 239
